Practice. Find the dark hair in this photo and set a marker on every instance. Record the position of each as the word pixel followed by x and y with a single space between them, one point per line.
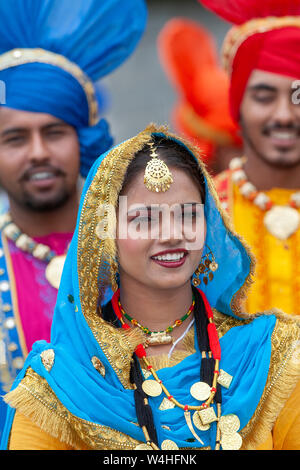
pixel 173 154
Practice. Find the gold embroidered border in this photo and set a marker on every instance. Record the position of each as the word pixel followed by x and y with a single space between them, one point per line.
pixel 35 399
pixel 284 373
pixel 97 258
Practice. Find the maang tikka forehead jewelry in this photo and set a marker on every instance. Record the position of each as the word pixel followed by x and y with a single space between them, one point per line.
pixel 157 175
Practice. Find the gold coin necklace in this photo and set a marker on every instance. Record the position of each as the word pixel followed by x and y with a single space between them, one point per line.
pixel 55 263
pixel 203 414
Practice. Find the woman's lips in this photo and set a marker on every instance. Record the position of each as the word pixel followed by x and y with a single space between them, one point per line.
pixel 170 258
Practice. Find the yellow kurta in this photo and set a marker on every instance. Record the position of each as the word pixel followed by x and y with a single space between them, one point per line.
pixel 277 275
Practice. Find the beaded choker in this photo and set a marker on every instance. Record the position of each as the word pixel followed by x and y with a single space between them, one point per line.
pixel 207 390
pixel 155 338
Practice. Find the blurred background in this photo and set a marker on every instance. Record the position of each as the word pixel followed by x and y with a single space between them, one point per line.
pixel 139 90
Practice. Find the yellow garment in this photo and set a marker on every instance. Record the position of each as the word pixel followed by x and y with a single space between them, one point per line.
pixel 25 435
pixel 277 276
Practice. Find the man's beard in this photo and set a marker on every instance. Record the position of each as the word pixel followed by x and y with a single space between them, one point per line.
pixel 35 204
pixel 281 162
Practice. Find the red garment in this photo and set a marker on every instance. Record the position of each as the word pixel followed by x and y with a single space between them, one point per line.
pixel 276 50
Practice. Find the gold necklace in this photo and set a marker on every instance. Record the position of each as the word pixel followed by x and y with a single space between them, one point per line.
pixel 280 221
pixel 55 263
pixel 157 338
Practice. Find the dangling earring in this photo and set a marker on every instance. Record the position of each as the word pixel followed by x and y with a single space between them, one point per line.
pixel 207 267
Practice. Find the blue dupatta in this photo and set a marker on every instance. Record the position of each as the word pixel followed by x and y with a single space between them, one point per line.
pixel 101 408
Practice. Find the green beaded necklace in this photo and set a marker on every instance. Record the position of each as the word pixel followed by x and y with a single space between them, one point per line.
pixel 158 337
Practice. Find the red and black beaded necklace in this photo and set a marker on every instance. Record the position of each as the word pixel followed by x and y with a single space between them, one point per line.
pixel 206 390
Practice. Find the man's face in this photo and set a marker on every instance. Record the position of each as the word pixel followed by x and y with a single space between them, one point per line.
pixel 39 159
pixel 270 121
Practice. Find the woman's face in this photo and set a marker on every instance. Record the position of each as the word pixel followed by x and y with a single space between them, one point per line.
pixel 160 236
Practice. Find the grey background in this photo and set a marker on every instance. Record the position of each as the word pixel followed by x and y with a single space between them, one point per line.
pixel 139 90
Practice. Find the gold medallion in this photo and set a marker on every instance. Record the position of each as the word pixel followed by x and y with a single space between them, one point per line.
pixel 198 423
pixel 224 378
pixel 229 424
pixel 231 441
pixel 208 415
pixel 167 444
pixel 166 404
pixel 282 221
pixel 143 447
pixel 200 391
pixel 54 270
pixel 151 388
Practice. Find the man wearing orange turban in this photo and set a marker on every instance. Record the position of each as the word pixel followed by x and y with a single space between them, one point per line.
pixel 261 189
pixel 188 55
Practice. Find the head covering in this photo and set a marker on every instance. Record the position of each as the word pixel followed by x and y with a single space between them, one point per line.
pixel 61 390
pixel 266 36
pixel 188 55
pixel 52 52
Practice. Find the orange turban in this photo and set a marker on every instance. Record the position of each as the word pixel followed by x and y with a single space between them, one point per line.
pixel 189 56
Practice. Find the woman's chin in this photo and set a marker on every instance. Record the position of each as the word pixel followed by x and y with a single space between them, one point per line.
pixel 170 282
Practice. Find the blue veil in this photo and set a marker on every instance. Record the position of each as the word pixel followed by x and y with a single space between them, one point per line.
pixel 60 388
pixel 96 36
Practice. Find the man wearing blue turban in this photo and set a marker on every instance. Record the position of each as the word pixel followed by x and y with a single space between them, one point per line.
pixel 51 55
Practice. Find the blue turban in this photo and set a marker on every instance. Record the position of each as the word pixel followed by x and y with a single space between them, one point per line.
pixel 85 40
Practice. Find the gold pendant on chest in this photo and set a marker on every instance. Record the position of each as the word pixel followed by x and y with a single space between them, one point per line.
pixel 159 338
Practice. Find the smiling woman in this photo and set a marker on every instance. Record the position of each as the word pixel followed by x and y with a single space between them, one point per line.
pixel 160 363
